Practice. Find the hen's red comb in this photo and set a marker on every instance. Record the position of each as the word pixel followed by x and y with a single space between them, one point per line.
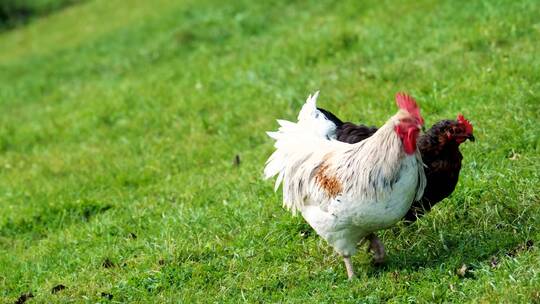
pixel 466 123
pixel 408 104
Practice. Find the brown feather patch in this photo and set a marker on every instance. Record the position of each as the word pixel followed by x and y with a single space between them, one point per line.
pixel 331 185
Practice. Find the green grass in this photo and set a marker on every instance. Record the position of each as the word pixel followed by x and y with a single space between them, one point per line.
pixel 120 123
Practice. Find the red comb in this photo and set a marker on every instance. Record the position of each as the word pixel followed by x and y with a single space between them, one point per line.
pixel 407 103
pixel 466 123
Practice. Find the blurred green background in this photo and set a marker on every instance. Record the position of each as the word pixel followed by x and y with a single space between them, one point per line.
pixel 18 12
pixel 120 123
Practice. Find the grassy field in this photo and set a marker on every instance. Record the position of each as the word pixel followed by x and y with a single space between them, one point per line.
pixel 120 122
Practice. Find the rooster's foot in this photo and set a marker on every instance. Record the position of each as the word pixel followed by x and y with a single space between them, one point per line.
pixel 377 248
pixel 349 266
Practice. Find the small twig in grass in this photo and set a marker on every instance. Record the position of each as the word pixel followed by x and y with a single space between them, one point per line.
pixel 24 297
pixel 236 161
pixel 57 288
pixel 107 263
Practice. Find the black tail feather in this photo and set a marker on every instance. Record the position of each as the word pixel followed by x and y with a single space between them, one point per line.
pixel 330 116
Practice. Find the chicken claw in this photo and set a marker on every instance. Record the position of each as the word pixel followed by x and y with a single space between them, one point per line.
pixel 349 266
pixel 377 248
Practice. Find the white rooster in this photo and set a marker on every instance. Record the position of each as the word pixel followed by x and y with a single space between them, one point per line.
pixel 347 191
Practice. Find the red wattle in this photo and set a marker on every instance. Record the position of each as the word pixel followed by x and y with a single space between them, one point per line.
pixel 409 142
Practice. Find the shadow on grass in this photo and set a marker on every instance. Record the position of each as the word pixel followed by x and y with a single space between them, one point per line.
pixel 14 13
pixel 472 248
pixel 46 221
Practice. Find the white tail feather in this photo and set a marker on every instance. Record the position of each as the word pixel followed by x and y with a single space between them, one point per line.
pixel 309 108
pixel 312 128
pixel 297 142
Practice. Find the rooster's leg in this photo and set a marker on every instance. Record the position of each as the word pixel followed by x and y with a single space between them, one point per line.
pixel 349 266
pixel 377 247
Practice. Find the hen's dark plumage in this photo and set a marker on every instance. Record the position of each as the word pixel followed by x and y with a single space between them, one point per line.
pixel 443 164
pixel 439 147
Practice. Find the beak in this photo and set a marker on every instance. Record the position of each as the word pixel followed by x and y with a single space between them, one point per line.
pixel 471 138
